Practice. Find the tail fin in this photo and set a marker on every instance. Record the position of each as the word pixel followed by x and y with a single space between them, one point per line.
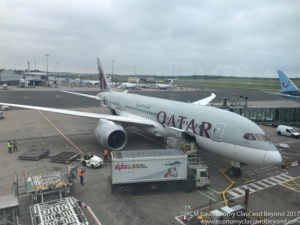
pixel 286 84
pixel 102 78
pixel 171 83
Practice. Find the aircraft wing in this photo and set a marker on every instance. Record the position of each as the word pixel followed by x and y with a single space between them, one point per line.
pixel 120 119
pixel 206 100
pixel 80 94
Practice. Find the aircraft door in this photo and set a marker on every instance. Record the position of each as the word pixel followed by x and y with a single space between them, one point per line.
pixel 217 133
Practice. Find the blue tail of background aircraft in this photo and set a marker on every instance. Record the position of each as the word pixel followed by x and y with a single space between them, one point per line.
pixel 286 84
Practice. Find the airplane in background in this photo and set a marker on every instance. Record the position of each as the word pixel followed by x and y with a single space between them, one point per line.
pixel 128 85
pixel 91 82
pixel 219 131
pixel 289 89
pixel 164 86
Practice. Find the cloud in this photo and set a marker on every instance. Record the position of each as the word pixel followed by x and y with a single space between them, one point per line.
pixel 216 37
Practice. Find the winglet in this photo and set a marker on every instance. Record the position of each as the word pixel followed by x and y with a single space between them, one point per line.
pixel 286 84
pixel 102 78
pixel 206 100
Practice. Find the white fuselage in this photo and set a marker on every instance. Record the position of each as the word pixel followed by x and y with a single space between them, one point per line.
pixel 162 86
pixel 216 130
pixel 128 85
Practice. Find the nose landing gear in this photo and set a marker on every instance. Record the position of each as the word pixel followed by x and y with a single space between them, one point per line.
pixel 234 169
pixel 235 172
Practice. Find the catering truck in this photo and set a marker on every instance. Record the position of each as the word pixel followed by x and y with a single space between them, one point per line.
pixel 149 169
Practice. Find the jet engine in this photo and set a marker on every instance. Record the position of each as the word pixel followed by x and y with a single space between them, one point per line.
pixel 111 135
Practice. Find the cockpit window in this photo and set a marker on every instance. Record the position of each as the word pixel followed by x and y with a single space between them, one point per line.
pixel 261 137
pixel 249 136
pixel 254 137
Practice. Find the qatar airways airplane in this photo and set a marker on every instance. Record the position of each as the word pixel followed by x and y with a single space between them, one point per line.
pixel 219 131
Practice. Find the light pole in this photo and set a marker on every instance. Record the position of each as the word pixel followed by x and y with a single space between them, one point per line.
pixel 47 55
pixel 134 68
pixel 57 67
pixel 112 67
pixel 173 69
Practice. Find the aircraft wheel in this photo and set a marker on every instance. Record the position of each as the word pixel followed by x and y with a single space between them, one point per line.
pixel 238 172
pixel 235 172
pixel 231 172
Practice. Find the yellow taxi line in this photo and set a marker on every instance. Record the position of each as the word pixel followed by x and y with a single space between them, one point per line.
pixel 293 184
pixel 67 139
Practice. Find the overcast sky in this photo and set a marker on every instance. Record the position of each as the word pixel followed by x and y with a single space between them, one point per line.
pixel 226 37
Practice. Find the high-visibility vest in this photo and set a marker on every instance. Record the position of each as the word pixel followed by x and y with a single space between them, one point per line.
pixel 9 144
pixel 105 152
pixel 81 172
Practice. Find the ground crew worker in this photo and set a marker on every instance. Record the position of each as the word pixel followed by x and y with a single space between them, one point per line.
pixel 9 146
pixel 105 155
pixel 14 145
pixel 187 209
pixel 81 174
pixel 90 155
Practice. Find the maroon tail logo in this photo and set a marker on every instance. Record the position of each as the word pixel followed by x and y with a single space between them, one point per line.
pixel 101 76
pixel 285 85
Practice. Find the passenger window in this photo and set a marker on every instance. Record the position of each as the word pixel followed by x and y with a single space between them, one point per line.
pixel 249 136
pixel 287 130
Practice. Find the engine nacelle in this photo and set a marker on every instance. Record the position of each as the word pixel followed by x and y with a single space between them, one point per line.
pixel 111 135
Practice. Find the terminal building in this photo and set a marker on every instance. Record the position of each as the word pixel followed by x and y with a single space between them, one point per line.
pixel 26 79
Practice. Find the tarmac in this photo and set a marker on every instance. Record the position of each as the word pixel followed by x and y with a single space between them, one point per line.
pixel 278 199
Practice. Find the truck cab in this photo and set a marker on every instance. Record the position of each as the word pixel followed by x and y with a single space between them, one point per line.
pixel 198 171
pixel 202 178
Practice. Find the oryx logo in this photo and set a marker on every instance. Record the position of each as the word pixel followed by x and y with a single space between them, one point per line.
pixel 286 85
pixel 101 76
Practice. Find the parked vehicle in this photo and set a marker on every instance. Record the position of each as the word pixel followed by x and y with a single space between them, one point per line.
pixel 287 131
pixel 91 161
pixel 150 169
pixel 4 107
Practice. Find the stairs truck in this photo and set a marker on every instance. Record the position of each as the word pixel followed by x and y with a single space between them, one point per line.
pixel 151 169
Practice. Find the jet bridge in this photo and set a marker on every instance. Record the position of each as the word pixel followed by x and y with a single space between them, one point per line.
pixel 269 115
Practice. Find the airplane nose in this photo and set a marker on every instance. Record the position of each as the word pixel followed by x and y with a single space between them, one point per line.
pixel 272 158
